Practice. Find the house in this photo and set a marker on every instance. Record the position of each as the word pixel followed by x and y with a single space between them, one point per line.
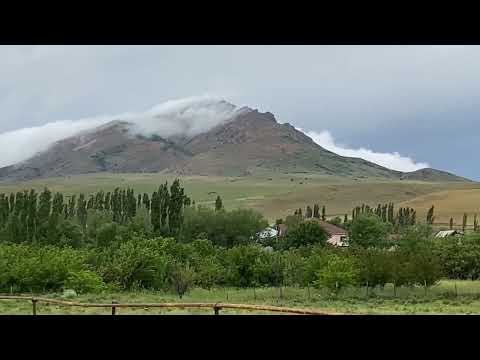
pixel 337 235
pixel 267 233
pixel 448 233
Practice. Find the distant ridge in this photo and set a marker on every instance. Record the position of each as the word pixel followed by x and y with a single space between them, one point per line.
pixel 434 175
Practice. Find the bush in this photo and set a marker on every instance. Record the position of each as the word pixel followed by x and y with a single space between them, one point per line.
pixel 181 278
pixel 106 234
pixel 375 266
pixel 70 234
pixel 137 263
pixel 368 231
pixel 459 258
pixel 223 228
pixel 306 233
pixel 38 268
pixel 337 273
pixel 243 265
pixel 85 281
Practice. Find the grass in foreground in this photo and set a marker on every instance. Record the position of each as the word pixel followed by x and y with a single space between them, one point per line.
pixel 440 299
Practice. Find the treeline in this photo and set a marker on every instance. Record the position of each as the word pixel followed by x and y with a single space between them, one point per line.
pixel 165 264
pixel 31 217
pixel 102 218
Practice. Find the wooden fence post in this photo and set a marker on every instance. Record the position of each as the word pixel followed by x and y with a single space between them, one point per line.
pixel 34 306
pixel 114 308
pixel 456 292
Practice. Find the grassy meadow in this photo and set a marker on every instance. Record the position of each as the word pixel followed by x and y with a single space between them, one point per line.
pixel 277 195
pixel 439 299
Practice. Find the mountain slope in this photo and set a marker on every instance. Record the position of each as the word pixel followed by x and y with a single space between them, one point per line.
pixel 433 175
pixel 255 141
pixel 110 148
pixel 247 142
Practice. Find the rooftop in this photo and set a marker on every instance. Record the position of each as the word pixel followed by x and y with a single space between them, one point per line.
pixel 330 228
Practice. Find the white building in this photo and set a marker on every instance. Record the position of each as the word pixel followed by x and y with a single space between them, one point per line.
pixel 447 233
pixel 267 233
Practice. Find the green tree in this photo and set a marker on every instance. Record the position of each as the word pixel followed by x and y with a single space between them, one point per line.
pixel 306 233
pixel 430 216
pixel 164 204
pixel 218 203
pixel 43 214
pixel 175 208
pixel 308 213
pixel 338 272
pixel 155 212
pixel 82 210
pixel 181 277
pixel 368 231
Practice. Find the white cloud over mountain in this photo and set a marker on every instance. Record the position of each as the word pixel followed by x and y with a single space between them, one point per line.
pixel 393 161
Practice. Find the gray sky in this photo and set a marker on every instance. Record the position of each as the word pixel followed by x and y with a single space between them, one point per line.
pixel 419 101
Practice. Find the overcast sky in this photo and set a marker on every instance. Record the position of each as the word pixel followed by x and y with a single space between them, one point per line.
pixel 403 106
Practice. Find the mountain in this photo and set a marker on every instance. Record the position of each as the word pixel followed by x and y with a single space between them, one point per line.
pixel 432 175
pixel 245 143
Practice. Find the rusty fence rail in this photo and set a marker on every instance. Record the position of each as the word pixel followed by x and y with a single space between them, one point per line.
pixel 216 307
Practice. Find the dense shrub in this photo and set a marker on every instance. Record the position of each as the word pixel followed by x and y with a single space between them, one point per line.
pixel 459 257
pixel 223 228
pixel 137 262
pixel 338 272
pixel 368 231
pixel 304 234
pixel 84 281
pixel 38 268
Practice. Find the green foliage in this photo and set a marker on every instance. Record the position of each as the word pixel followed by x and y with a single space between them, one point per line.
pixel 337 221
pixel 218 203
pixel 368 231
pixel 430 216
pixel 244 265
pixel 338 272
pixel 37 268
pixel 138 262
pixel 106 234
pixel 181 278
pixel 223 228
pixel 375 266
pixel 84 281
pixel 459 258
pixel 306 233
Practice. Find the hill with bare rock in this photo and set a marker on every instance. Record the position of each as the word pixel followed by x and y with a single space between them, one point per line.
pixel 247 142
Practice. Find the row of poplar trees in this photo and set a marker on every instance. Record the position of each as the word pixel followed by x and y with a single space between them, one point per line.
pixel 315 212
pixel 27 216
pixel 405 216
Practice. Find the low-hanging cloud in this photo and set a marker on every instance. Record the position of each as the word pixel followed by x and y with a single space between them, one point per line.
pixel 393 161
pixel 187 116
